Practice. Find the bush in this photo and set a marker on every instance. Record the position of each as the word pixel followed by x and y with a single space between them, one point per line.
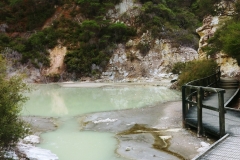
pixel 95 44
pixel 171 19
pixel 25 15
pixel 197 69
pixel 227 40
pixel 11 100
pixel 204 7
pixel 143 48
pixel 178 67
pixel 93 8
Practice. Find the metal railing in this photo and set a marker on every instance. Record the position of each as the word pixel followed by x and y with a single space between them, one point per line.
pixel 193 94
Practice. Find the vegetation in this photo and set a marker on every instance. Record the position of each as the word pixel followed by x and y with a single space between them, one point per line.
pixel 175 19
pixel 93 8
pixel 96 44
pixel 25 15
pixel 226 39
pixel 33 49
pixel 193 70
pixel 93 39
pixel 11 99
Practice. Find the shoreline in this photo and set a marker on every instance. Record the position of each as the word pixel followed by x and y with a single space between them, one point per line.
pixel 147 132
pixel 164 128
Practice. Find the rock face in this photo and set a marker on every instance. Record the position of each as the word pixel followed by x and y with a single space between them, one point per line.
pixel 142 58
pixel 57 66
pixel 130 63
pixel 229 66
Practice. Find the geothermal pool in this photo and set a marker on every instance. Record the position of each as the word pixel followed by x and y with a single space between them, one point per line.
pixel 65 103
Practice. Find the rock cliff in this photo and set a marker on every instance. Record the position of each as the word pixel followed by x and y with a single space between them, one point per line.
pixel 129 64
pixel 141 58
pixel 229 66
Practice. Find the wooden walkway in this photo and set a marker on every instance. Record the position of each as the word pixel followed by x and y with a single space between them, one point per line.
pixel 210 118
pixel 228 147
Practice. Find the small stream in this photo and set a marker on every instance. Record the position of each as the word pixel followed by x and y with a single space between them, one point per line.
pixel 68 141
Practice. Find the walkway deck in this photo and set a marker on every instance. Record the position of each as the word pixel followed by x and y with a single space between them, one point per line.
pixel 225 149
pixel 228 147
pixel 211 118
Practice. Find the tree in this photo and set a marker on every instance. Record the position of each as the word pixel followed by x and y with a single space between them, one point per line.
pixel 11 100
pixel 230 40
pixel 226 39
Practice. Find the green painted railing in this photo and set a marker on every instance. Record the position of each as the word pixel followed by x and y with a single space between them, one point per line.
pixel 193 94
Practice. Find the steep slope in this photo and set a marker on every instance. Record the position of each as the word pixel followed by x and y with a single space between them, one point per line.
pixel 120 40
pixel 211 24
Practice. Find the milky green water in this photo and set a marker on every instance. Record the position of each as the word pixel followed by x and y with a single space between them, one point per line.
pixel 68 142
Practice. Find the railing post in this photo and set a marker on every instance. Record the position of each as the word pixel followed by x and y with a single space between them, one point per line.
pixel 216 80
pixel 184 106
pixel 219 75
pixel 221 113
pixel 199 111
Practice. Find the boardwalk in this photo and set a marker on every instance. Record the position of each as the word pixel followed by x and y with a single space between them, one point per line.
pixel 225 149
pixel 228 147
pixel 211 118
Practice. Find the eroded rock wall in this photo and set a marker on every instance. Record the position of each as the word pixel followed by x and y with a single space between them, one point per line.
pixel 129 64
pixel 229 66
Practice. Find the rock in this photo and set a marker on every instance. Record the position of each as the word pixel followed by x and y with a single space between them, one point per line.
pixel 155 64
pixel 35 153
pixel 204 147
pixel 173 80
pixel 32 139
pixel 229 66
pixel 128 149
pixel 3 27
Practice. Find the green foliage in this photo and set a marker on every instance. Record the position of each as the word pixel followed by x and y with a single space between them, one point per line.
pixel 195 70
pixel 143 48
pixel 25 15
pixel 93 8
pixel 92 42
pixel 226 39
pixel 119 32
pixel 4 41
pixel 204 7
pixel 170 20
pixel 237 10
pixel 178 67
pixel 11 100
pixel 35 48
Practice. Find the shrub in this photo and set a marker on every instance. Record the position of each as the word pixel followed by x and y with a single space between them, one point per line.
pixel 93 8
pixel 171 19
pixel 143 48
pixel 11 100
pixel 197 69
pixel 178 67
pixel 25 15
pixel 227 40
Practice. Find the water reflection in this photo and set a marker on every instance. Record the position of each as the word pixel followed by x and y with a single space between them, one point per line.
pixel 53 100
pixel 58 104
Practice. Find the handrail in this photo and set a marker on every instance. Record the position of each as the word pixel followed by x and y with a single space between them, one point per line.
pixel 195 91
